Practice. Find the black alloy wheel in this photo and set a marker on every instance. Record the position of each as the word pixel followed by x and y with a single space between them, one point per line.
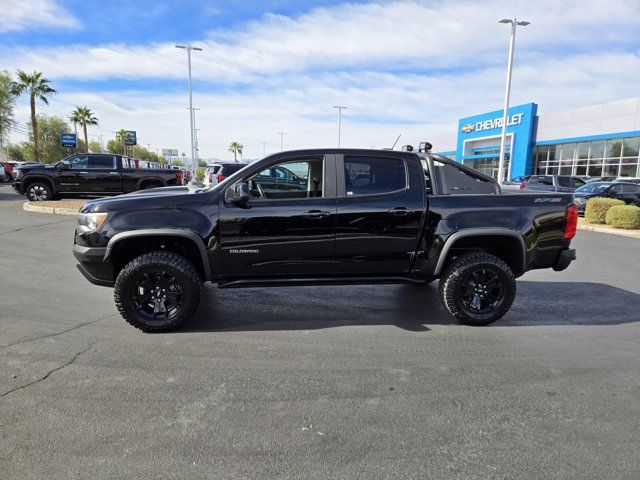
pixel 477 288
pixel 157 295
pixel 158 291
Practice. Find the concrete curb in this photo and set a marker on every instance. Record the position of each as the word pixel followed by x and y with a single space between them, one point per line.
pixel 29 207
pixel 612 231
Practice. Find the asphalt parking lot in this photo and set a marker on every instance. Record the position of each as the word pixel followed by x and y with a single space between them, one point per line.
pixel 317 382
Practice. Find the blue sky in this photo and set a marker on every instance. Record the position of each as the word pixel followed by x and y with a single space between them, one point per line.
pixel 404 66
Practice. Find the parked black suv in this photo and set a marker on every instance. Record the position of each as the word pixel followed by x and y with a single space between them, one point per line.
pixel 89 173
pixel 627 192
pixel 352 216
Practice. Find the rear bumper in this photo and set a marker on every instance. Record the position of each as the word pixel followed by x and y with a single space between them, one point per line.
pixel 93 266
pixel 565 257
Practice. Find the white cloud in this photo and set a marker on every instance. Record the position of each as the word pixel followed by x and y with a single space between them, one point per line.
pixel 18 15
pixel 401 67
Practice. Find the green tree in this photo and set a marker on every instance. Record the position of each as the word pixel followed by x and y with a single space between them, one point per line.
pixel 115 146
pixel 7 100
pixel 38 88
pixel 49 130
pixel 84 117
pixel 236 148
pixel 16 152
pixel 94 146
pixel 123 136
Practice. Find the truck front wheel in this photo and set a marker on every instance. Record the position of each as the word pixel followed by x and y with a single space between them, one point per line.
pixel 39 192
pixel 477 288
pixel 158 291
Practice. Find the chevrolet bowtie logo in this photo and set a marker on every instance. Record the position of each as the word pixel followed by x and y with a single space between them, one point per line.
pixel 468 128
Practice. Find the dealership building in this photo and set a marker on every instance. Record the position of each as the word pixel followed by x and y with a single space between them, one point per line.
pixel 597 140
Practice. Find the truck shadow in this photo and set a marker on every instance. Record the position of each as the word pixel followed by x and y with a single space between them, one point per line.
pixel 408 307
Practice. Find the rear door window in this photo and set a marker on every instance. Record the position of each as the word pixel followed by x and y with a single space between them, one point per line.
pixel 102 161
pixel 373 175
pixel 564 182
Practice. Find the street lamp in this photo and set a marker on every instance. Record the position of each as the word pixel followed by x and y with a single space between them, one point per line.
pixel 282 134
pixel 194 156
pixel 340 108
pixel 505 114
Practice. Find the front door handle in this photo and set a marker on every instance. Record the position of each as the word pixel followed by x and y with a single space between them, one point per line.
pixel 316 214
pixel 399 211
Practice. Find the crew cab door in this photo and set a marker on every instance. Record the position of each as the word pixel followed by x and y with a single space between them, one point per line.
pixel 103 174
pixel 285 228
pixel 381 202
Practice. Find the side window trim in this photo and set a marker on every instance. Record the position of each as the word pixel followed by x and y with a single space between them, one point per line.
pixel 341 184
pixel 328 177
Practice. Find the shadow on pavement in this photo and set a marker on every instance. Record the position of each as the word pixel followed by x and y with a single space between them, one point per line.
pixel 409 307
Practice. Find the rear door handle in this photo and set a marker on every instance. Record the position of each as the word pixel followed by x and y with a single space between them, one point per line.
pixel 114 173
pixel 316 214
pixel 399 211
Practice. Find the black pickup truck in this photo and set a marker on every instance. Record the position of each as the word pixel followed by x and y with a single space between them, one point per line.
pixel 345 217
pixel 89 174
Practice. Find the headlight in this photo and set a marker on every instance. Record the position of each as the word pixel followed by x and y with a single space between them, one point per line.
pixel 90 222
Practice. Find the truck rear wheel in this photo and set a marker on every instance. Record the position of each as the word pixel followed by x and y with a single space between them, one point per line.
pixel 158 291
pixel 477 288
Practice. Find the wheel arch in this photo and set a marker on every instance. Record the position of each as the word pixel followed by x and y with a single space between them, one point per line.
pixel 505 243
pixel 155 181
pixel 141 241
pixel 29 179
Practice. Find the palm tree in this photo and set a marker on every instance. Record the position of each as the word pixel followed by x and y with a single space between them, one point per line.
pixel 122 136
pixel 236 147
pixel 38 88
pixel 83 116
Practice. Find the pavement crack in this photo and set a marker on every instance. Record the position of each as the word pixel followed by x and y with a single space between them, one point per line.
pixel 55 334
pixel 73 359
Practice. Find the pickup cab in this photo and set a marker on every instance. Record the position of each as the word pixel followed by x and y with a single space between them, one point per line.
pixel 348 217
pixel 89 174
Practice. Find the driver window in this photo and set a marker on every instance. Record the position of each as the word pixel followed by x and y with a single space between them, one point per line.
pixel 79 162
pixel 288 180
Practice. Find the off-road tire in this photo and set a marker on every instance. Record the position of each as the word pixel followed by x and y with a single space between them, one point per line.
pixel 177 265
pixel 459 270
pixel 39 192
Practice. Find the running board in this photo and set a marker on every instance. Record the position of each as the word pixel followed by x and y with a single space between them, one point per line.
pixel 301 282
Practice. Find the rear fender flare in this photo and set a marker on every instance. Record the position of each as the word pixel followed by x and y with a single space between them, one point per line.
pixel 478 232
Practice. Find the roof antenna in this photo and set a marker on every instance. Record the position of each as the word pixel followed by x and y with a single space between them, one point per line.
pixel 394 143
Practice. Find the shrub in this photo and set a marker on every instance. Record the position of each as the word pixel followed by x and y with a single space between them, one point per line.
pixel 624 216
pixel 596 209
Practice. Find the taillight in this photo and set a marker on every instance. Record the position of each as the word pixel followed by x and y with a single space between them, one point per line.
pixel 220 178
pixel 179 176
pixel 522 186
pixel 571 221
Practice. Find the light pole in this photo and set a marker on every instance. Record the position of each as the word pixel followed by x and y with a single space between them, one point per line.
pixel 340 108
pixel 505 114
pixel 195 129
pixel 282 134
pixel 194 156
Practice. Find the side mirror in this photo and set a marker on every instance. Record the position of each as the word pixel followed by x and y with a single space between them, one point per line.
pixel 237 194
pixel 65 166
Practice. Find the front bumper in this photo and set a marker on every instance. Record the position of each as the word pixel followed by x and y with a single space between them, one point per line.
pixel 565 257
pixel 17 186
pixel 93 266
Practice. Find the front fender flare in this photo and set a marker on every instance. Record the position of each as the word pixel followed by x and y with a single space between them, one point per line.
pixel 164 232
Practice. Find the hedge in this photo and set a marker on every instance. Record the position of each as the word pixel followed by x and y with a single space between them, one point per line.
pixel 596 209
pixel 624 216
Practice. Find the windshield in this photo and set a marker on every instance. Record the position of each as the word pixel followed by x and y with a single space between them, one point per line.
pixel 592 188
